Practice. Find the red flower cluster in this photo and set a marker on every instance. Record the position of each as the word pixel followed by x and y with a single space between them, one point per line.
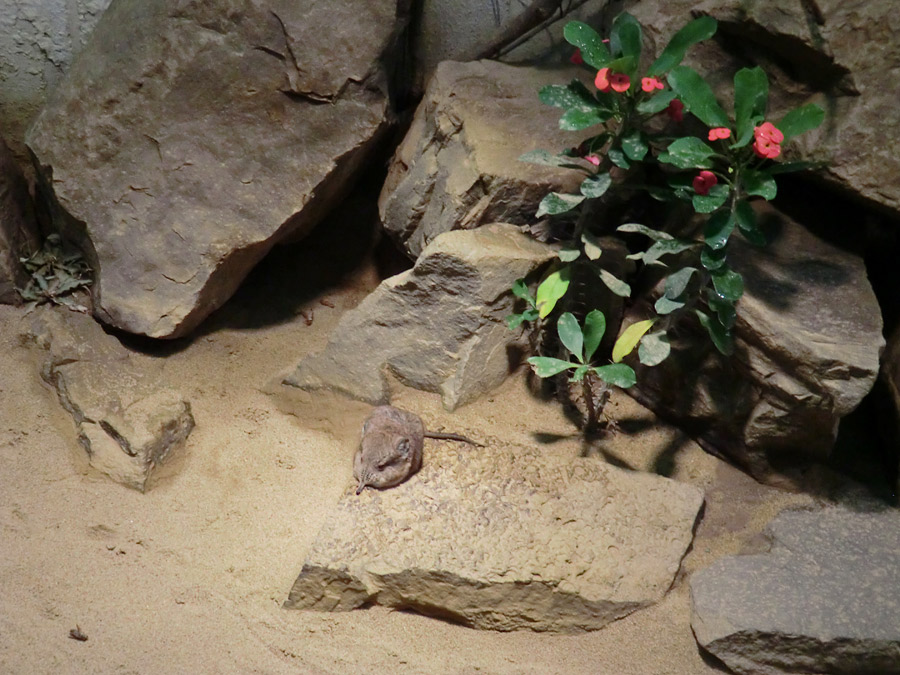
pixel 719 133
pixel 650 84
pixel 767 143
pixel 606 80
pixel 704 181
pixel 675 110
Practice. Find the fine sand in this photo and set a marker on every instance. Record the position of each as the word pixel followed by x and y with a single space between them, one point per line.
pixel 191 576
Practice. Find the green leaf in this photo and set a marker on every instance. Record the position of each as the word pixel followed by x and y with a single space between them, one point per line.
pixel 751 95
pixel 570 335
pixel 723 308
pixel 746 221
pixel 712 259
pixel 617 157
pixel 728 283
pixel 720 336
pixel 593 51
pixel 567 95
pixel 595 185
pixel 677 282
pixel 635 146
pixel 629 338
pixel 513 321
pixel 551 289
pixel 666 305
pixel 654 348
pixel 800 120
pixel 638 228
pixel 760 184
pixel 594 328
pixel 556 203
pixel 576 119
pixel 568 254
pixel 697 97
pixel 546 158
pixel 656 103
pixel 546 366
pixel 520 290
pixel 618 374
pixel 666 247
pixel 708 203
pixel 788 167
pixel 623 64
pixel 688 153
pixel 579 373
pixel 614 284
pixel 718 228
pixel 692 33
pixel 591 245
pixel 625 38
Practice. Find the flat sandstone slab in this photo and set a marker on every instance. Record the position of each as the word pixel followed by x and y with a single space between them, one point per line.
pixel 824 599
pixel 504 538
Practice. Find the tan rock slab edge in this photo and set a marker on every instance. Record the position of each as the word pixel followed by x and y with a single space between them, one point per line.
pixel 503 539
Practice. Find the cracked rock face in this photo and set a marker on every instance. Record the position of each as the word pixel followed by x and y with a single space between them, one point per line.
pixel 438 327
pixel 458 166
pixel 18 229
pixel 540 542
pixel 188 138
pixel 126 424
pixel 808 340
pixel 825 599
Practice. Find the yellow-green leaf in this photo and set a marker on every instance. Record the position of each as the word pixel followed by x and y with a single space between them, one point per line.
pixel 629 338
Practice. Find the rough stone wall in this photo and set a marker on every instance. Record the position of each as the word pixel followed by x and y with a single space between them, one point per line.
pixel 38 40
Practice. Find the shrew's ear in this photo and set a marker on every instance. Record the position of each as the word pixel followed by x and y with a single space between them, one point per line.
pixel 403 447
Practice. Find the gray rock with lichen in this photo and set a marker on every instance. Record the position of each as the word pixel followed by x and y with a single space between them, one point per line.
pixel 825 599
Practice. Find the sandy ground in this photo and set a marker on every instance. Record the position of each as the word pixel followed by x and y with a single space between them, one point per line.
pixel 191 576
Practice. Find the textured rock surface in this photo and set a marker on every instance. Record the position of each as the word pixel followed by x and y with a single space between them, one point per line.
pixel 124 421
pixel 458 165
pixel 18 229
pixel 890 375
pixel 437 327
pixel 825 599
pixel 188 138
pixel 503 538
pixel 808 342
pixel 38 39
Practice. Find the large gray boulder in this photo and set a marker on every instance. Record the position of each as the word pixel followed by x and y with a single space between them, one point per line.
pixel 438 327
pixel 458 166
pixel 504 538
pixel 825 599
pixel 18 228
pixel 125 422
pixel 808 341
pixel 188 138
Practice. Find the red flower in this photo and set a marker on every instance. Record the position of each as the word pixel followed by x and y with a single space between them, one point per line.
pixel 593 159
pixel 576 58
pixel 675 110
pixel 649 84
pixel 767 143
pixel 704 181
pixel 619 82
pixel 719 133
pixel 602 81
pixel 770 132
pixel 606 80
